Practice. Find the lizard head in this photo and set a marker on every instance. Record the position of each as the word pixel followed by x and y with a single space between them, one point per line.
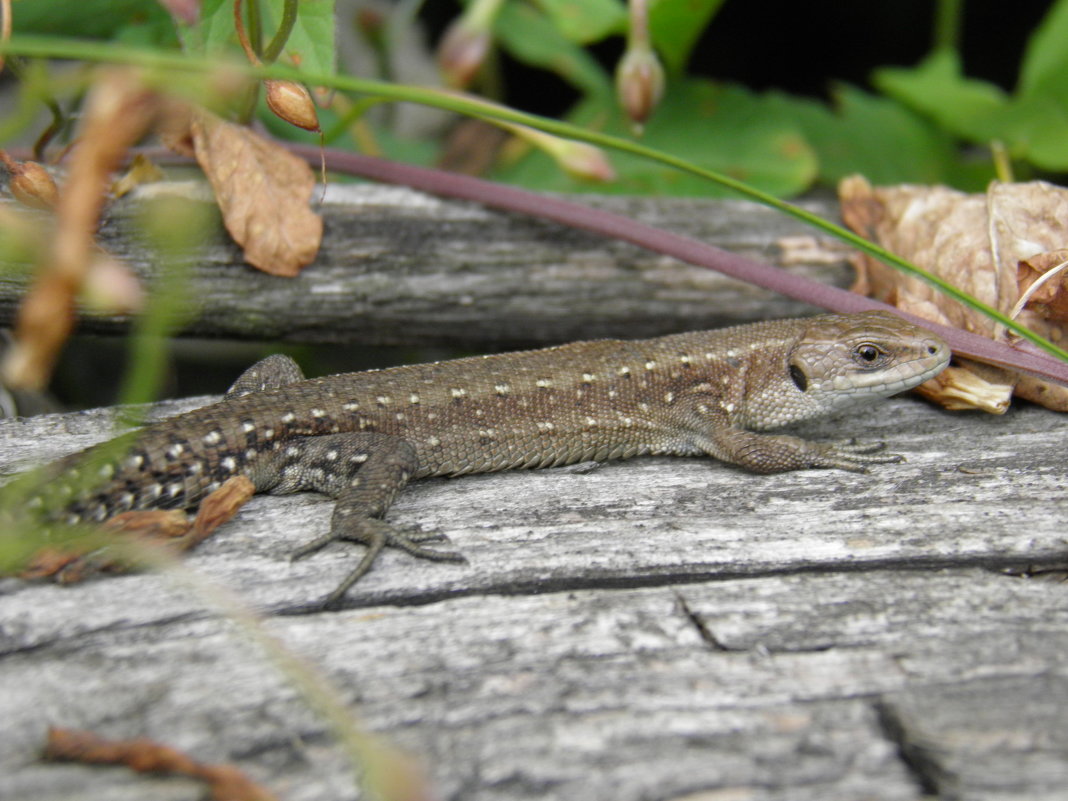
pixel 840 360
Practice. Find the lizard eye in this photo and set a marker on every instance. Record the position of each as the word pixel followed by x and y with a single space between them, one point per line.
pixel 867 354
pixel 799 378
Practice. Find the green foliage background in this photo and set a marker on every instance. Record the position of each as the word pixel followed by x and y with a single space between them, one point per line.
pixel 930 123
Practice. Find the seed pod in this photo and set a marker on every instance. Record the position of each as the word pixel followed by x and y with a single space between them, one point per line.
pixel 293 103
pixel 33 186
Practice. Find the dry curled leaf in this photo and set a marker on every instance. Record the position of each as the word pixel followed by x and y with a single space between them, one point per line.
pixel 118 111
pixel 141 171
pixel 225 782
pixel 219 507
pixel 170 529
pixel 991 246
pixel 263 191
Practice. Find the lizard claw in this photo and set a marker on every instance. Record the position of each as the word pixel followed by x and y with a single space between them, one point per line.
pixel 376 535
pixel 854 456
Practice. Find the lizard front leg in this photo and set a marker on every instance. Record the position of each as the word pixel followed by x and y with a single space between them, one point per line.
pixel 364 471
pixel 779 453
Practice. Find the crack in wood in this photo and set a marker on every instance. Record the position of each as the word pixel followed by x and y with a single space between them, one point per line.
pixel 703 631
pixel 917 759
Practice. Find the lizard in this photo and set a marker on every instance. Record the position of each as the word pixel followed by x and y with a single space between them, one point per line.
pixel 361 437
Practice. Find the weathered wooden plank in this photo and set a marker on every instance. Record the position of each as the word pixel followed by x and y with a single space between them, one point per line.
pixel 400 267
pixel 663 628
pixel 596 694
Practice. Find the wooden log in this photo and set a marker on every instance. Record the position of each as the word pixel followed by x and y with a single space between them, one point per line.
pixel 660 628
pixel 398 267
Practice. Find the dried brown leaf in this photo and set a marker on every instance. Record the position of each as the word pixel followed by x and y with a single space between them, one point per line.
pixel 150 525
pixel 226 782
pixel 263 191
pixel 976 242
pixel 219 507
pixel 141 171
pixel 1043 281
pixel 118 111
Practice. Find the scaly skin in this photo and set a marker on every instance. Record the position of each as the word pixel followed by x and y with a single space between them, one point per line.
pixel 360 437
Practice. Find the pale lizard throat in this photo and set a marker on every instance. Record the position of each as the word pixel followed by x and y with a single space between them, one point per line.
pixel 360 437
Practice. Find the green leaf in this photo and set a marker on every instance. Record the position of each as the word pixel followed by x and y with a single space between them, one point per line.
pixel 675 26
pixel 87 19
pixel 531 37
pixel 720 127
pixel 1033 125
pixel 1035 128
pixel 214 32
pixel 875 136
pixel 1045 62
pixel 967 107
pixel 1037 124
pixel 310 45
pixel 588 21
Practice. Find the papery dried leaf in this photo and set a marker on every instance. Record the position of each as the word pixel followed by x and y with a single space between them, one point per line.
pixel 154 525
pixel 118 111
pixel 219 507
pixel 48 561
pixel 226 782
pixel 141 171
pixel 976 242
pixel 957 388
pixel 263 191
pixel 175 128
pixel 149 527
pixel 1049 271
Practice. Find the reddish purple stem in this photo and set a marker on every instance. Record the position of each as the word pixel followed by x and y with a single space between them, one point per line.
pixel 1025 357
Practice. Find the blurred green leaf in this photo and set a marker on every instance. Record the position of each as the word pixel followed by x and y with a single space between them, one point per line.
pixel 937 88
pixel 1044 68
pixel 676 25
pixel 1035 128
pixel 310 46
pixel 214 32
pixel 875 136
pixel 720 127
pixel 588 21
pixel 88 19
pixel 531 37
pixel 1033 125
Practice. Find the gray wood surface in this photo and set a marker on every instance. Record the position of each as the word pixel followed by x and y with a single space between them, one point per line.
pixel 398 267
pixel 654 629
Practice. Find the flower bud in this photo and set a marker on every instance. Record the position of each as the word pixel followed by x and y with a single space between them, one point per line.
pixel 577 159
pixel 110 286
pixel 639 83
pixel 461 52
pixel 293 103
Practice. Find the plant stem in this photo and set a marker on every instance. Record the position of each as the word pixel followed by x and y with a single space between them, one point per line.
pixel 289 19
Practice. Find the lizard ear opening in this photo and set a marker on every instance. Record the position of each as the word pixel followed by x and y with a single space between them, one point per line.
pixel 799 378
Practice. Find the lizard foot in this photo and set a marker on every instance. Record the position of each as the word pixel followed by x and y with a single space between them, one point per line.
pixel 375 534
pixel 854 456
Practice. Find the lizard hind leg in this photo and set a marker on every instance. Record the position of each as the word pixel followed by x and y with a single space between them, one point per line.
pixel 364 471
pixel 273 372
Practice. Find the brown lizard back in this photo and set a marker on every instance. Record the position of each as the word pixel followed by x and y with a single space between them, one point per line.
pixel 361 436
